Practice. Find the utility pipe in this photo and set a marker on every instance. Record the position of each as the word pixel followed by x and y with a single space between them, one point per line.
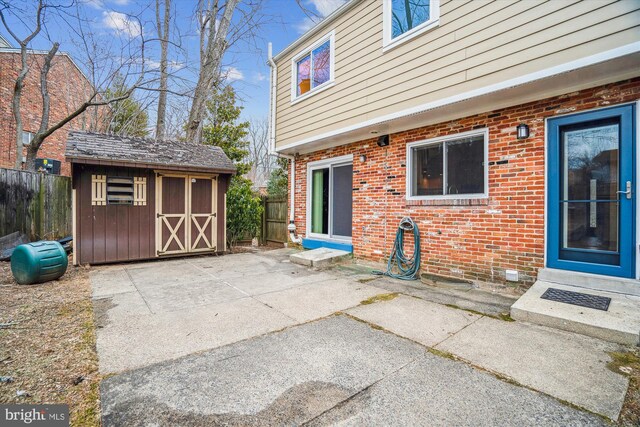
pixel 272 145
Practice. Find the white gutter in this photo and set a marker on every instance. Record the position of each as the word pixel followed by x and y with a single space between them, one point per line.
pixel 272 144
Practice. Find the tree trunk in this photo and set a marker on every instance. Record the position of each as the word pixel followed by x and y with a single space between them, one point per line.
pixel 163 34
pixel 15 107
pixel 213 45
pixel 38 138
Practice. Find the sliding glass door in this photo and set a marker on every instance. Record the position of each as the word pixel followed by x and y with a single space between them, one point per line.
pixel 330 200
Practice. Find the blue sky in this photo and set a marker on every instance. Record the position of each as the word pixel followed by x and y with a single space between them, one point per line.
pixel 245 63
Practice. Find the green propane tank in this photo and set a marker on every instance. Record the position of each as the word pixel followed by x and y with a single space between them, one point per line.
pixel 38 262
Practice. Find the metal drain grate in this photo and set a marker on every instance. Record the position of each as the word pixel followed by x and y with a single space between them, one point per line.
pixel 577 298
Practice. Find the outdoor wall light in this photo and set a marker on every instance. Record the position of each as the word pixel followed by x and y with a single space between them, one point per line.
pixel 522 131
pixel 363 158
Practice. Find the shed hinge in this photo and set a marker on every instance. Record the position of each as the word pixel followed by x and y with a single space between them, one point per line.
pixel 159 215
pixel 214 215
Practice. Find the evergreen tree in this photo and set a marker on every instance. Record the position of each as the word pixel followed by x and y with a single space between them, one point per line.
pixel 223 129
pixel 278 185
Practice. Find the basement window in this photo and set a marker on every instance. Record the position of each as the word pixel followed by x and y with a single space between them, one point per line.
pixel 453 167
pixel 312 69
pixel 119 190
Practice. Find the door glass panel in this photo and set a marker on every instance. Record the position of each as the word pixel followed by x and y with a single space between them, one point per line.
pixel 589 181
pixel 320 201
pixel 591 163
pixel 342 200
pixel 591 225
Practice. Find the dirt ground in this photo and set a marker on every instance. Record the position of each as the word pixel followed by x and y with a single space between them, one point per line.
pixel 47 344
pixel 628 363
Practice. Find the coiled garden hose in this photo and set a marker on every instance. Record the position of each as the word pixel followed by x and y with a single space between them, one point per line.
pixel 399 266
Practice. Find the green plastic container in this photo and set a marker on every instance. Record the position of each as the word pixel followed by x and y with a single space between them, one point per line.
pixel 38 262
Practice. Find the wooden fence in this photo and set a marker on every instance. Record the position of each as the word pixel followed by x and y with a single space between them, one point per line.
pixel 274 220
pixel 36 204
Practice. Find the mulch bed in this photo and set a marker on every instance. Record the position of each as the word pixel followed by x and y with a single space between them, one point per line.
pixel 48 344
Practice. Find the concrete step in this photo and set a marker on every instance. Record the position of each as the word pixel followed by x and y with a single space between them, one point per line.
pixel 619 324
pixel 318 258
pixel 590 281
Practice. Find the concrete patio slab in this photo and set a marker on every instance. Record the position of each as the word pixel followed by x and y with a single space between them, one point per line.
pixel 567 366
pixel 333 371
pixel 620 323
pixel 277 280
pixel 491 303
pixel 163 298
pixel 169 272
pixel 418 320
pixel 319 299
pixel 136 341
pixel 433 391
pixel 111 281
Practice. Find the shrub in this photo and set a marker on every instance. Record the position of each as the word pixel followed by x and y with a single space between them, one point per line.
pixel 244 211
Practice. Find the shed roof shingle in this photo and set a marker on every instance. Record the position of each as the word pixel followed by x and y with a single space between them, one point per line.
pixel 86 147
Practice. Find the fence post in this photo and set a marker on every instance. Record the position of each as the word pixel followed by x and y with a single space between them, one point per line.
pixel 263 233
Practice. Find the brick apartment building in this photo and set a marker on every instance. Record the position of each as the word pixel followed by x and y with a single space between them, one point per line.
pixel 68 88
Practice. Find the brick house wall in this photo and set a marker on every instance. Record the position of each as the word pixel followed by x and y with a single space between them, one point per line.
pixel 473 239
pixel 68 88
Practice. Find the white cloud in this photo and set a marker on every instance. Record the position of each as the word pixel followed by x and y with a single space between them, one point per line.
pixel 324 9
pixel 121 23
pixel 306 24
pixel 259 77
pixel 121 2
pixel 96 4
pixel 232 74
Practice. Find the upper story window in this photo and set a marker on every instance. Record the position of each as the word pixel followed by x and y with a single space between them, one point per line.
pixel 312 69
pixel 454 167
pixel 405 19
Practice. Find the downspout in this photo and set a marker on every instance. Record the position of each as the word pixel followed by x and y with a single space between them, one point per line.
pixel 272 146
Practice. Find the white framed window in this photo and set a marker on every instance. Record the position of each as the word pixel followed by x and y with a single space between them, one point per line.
pixel 451 167
pixel 312 70
pixel 27 137
pixel 330 198
pixel 406 19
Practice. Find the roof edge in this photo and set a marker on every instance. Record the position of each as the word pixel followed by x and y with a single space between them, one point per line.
pixel 142 165
pixel 16 50
pixel 317 28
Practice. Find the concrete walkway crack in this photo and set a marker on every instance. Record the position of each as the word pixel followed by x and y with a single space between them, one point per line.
pixel 457 332
pixel 358 393
pixel 138 290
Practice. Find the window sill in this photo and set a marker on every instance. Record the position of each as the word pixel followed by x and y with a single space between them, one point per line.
pixel 481 201
pixel 312 92
pixel 393 43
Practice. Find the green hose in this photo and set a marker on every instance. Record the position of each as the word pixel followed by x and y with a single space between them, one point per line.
pixel 399 266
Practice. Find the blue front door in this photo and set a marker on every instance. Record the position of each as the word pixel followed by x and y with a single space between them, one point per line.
pixel 591 192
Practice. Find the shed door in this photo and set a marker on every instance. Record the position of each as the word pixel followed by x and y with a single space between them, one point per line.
pixel 202 215
pixel 172 215
pixel 186 217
